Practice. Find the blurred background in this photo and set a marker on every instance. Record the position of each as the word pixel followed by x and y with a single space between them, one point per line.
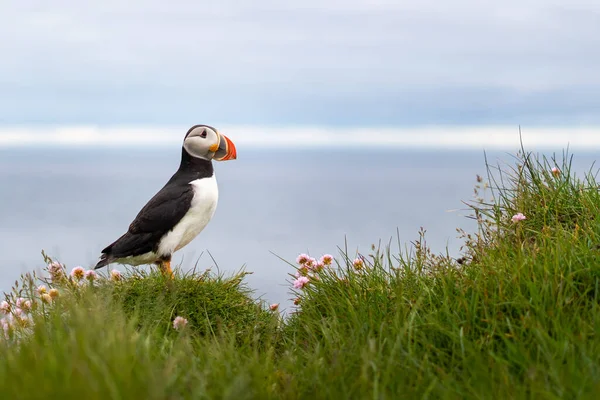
pixel 355 121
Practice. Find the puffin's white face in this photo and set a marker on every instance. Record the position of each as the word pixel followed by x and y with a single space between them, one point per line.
pixel 205 142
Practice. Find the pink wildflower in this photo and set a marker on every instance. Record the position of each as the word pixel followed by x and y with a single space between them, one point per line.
pixel 46 298
pixel 179 323
pixel 115 275
pixel 77 273
pixel 555 171
pixel 358 263
pixel 56 271
pixel 42 290
pixel 53 293
pixel 301 282
pixel 23 320
pixel 5 307
pixel 302 259
pixel 23 304
pixel 518 217
pixel 311 263
pixel 91 275
pixel 326 259
pixel 54 265
pixel 319 266
pixel 274 307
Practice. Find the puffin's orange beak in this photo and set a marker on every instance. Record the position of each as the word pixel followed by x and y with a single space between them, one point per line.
pixel 226 150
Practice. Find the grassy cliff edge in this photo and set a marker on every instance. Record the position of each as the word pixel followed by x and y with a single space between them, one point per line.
pixel 515 316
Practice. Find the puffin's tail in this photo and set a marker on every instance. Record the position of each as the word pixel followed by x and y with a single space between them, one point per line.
pixel 104 261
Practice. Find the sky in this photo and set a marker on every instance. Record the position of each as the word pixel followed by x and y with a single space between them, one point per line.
pixel 351 63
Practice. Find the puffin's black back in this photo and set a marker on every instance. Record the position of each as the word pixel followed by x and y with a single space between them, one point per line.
pixel 161 213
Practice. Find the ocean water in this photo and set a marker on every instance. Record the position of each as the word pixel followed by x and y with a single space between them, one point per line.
pixel 72 202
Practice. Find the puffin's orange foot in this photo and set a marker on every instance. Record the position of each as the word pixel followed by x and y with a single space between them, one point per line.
pixel 165 268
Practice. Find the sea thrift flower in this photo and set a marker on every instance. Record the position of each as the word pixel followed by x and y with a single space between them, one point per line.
pixel 78 273
pixel 91 275
pixel 297 301
pixel 326 259
pixel 518 217
pixel 23 304
pixel 358 263
pixel 18 311
pixel 301 282
pixel 42 290
pixel 56 271
pixel 555 171
pixel 274 307
pixel 302 259
pixel 311 263
pixel 5 307
pixel 179 323
pixel 319 266
pixel 115 275
pixel 53 293
pixel 46 298
pixel 23 320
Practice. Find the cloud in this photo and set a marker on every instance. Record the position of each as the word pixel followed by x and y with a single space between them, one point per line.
pixel 255 137
pixel 328 61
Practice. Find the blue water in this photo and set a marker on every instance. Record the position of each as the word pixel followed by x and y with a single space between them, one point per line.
pixel 73 202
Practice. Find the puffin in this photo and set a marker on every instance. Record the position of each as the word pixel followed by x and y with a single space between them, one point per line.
pixel 180 210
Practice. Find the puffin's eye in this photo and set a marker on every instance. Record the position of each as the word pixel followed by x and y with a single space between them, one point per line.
pixel 203 134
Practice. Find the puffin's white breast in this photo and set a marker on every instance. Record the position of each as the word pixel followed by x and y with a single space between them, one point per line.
pixel 202 209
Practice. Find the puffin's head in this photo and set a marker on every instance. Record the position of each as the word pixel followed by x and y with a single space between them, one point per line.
pixel 203 141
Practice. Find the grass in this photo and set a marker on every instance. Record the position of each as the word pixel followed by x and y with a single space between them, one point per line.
pixel 516 316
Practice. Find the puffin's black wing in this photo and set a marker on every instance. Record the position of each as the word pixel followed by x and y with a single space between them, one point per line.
pixel 155 219
pixel 164 210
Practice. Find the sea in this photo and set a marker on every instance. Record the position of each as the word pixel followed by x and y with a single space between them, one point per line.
pixel 273 204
